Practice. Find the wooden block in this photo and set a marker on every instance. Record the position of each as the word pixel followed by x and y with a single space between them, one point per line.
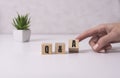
pixel 60 48
pixel 73 46
pixel 46 48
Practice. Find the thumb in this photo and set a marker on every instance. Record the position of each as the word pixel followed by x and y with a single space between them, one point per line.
pixel 102 42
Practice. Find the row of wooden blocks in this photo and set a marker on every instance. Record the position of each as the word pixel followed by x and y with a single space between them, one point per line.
pixel 60 47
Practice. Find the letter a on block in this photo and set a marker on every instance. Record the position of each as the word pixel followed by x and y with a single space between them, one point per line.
pixel 73 43
pixel 60 48
pixel 46 48
pixel 73 46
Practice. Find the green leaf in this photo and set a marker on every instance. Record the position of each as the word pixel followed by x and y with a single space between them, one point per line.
pixel 21 22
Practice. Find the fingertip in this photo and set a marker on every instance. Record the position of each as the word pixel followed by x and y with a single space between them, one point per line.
pixel 95 47
pixel 78 38
pixel 102 51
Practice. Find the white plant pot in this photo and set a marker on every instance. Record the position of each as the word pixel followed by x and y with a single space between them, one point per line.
pixel 22 35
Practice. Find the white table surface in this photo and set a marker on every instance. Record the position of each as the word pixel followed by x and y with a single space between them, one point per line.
pixel 24 60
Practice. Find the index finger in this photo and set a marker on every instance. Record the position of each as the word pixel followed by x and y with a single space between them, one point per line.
pixel 90 32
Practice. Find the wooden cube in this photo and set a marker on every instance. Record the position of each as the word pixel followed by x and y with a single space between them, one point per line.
pixel 60 48
pixel 73 46
pixel 46 48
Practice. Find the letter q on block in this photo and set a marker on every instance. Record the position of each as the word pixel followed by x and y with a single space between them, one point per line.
pixel 46 48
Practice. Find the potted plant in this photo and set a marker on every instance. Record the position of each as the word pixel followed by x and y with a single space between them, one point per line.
pixel 22 24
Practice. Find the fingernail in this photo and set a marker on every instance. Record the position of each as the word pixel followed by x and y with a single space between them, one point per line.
pixel 102 51
pixel 95 46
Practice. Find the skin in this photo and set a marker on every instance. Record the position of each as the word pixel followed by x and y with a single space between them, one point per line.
pixel 102 36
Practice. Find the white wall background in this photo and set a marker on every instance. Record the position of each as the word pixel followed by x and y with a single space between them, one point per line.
pixel 59 16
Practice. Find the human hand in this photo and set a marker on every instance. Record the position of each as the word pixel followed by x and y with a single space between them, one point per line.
pixel 102 36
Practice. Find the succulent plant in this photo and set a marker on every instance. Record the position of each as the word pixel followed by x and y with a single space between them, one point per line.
pixel 21 22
